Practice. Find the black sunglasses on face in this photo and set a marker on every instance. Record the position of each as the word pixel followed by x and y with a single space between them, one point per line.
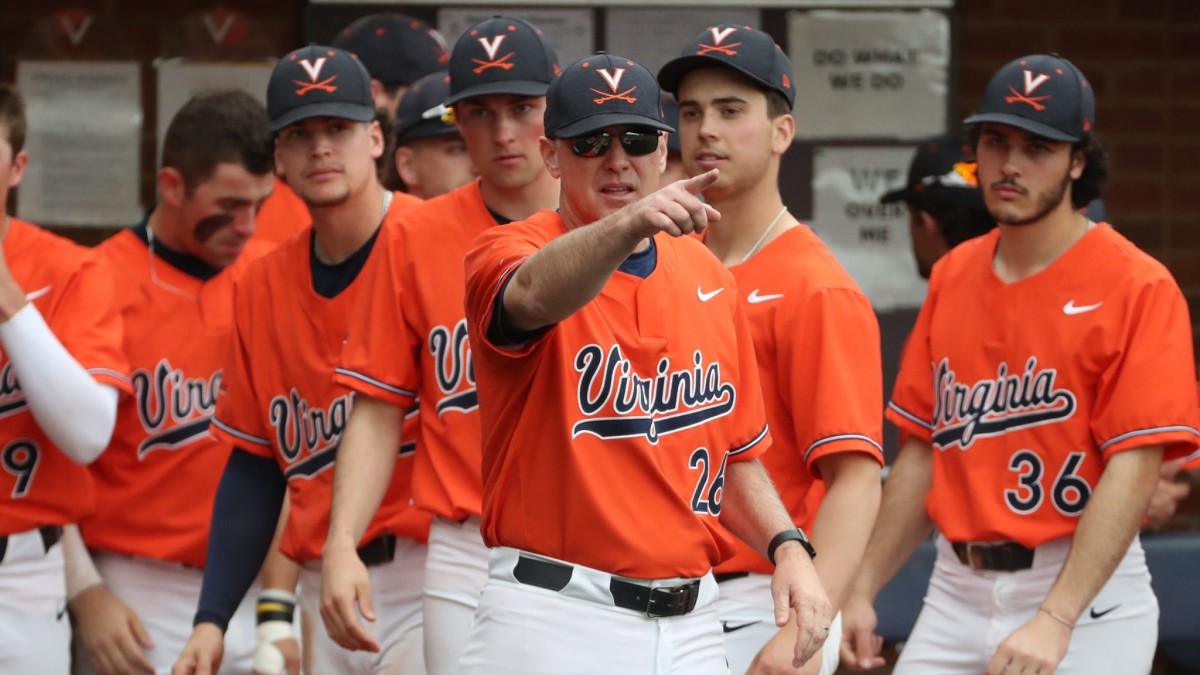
pixel 636 143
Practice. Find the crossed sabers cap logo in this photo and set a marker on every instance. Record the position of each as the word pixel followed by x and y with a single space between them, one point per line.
pixel 613 79
pixel 1031 85
pixel 719 35
pixel 490 47
pixel 313 68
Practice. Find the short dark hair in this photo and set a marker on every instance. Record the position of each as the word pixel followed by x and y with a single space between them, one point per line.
pixel 1090 184
pixel 217 127
pixel 12 116
pixel 777 105
pixel 960 215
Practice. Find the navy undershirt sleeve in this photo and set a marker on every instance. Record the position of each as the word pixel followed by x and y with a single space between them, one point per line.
pixel 245 513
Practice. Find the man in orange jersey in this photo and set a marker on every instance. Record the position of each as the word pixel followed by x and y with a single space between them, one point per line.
pixel 815 334
pixel 620 409
pixel 278 404
pixel 411 340
pixel 173 275
pixel 1049 373
pixel 61 371
pixel 430 155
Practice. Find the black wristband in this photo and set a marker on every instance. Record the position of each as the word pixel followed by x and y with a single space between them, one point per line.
pixel 794 534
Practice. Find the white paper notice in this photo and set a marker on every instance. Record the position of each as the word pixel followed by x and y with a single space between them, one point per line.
pixel 179 80
pixel 869 74
pixel 654 36
pixel 570 31
pixel 870 239
pixel 84 142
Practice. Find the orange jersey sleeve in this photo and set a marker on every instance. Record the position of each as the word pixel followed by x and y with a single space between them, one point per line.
pixel 156 482
pixel 1026 389
pixel 816 339
pixel 72 290
pixel 279 399
pixel 606 439
pixel 410 338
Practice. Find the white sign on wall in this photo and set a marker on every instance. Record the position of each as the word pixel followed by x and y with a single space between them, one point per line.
pixel 84 142
pixel 869 74
pixel 870 239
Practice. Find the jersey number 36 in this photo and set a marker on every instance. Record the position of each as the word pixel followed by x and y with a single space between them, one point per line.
pixel 1069 492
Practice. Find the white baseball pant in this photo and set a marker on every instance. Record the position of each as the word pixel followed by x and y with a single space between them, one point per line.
pixel 968 613
pixel 747 614
pixel 455 572
pixel 35 633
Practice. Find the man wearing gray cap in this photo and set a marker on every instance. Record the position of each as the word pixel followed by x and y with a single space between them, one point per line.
pixel 278 403
pixel 621 410
pixel 1051 369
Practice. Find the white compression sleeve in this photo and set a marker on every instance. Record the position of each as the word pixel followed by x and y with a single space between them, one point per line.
pixel 81 571
pixel 76 412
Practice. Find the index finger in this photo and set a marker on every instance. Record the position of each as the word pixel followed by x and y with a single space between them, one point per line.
pixel 697 184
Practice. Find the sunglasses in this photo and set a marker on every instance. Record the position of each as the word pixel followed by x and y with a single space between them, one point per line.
pixel 635 143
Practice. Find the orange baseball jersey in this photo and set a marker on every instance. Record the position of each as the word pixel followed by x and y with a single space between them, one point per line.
pixel 156 482
pixel 816 340
pixel 410 338
pixel 1026 389
pixel 282 215
pixel 278 398
pixel 607 437
pixel 72 289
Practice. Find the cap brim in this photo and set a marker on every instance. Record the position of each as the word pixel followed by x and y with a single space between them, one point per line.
pixel 671 74
pixel 1032 126
pixel 509 87
pixel 901 195
pixel 605 120
pixel 349 111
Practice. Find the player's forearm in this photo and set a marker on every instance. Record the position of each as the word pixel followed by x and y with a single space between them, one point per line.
pixel 844 521
pixel 81 572
pixel 278 570
pixel 751 508
pixel 245 512
pixel 1106 528
pixel 75 411
pixel 365 461
pixel 902 523
pixel 567 273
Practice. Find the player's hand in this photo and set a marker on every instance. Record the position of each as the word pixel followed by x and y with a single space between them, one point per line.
pixel 675 209
pixel 12 296
pixel 775 657
pixel 346 590
pixel 1036 647
pixel 203 652
pixel 860 646
pixel 1167 495
pixel 111 633
pixel 275 657
pixel 797 591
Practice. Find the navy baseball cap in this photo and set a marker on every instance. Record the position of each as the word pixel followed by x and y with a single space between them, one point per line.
pixel 317 81
pixel 421 113
pixel 942 164
pixel 501 55
pixel 1043 94
pixel 748 51
pixel 395 48
pixel 600 91
pixel 671 115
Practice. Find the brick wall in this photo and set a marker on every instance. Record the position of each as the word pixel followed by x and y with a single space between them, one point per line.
pixel 1143 59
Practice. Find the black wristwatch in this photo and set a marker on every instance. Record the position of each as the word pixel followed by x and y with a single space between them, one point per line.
pixel 796 534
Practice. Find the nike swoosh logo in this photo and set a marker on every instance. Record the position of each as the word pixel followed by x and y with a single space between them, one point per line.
pixel 37 294
pixel 1096 615
pixel 1071 309
pixel 62 611
pixel 729 628
pixel 754 298
pixel 705 297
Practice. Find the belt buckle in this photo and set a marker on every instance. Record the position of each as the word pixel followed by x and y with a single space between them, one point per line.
pixel 975 555
pixel 679 600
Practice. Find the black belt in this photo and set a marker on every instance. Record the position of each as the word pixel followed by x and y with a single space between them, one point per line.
pixel 380 550
pixel 1006 556
pixel 50 535
pixel 730 576
pixel 654 602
